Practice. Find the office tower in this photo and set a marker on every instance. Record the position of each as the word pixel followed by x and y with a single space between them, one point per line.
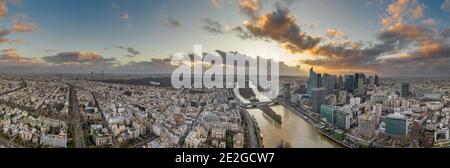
pixel 318 99
pixel 328 113
pixel 343 120
pixel 287 90
pixel 331 100
pixel 366 126
pixel 396 125
pixel 377 111
pixel 312 81
pixel 377 81
pixel 319 80
pixel 371 81
pixel 404 90
pixel 342 99
pixel 350 83
pixel 340 82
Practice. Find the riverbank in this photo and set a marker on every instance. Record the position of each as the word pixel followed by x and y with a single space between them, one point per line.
pixel 313 122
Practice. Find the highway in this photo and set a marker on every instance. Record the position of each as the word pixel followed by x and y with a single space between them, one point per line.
pixel 78 131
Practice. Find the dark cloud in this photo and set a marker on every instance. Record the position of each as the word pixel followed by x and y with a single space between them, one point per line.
pixel 212 26
pixel 241 32
pixel 131 51
pixel 215 27
pixel 80 57
pixel 280 26
pixel 170 22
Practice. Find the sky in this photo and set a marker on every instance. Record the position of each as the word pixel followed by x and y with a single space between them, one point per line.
pixel 386 37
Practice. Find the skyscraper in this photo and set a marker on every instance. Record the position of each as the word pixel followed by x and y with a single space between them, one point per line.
pixel 404 90
pixel 318 99
pixel 350 83
pixel 377 81
pixel 366 126
pixel 312 81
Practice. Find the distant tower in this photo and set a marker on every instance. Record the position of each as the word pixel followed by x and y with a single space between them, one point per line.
pixel 377 81
pixel 404 92
pixel 318 99
pixel 312 82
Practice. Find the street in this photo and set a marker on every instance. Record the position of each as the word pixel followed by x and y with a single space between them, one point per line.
pixel 78 131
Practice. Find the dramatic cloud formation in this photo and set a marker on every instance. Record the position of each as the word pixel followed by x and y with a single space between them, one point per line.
pixel 282 27
pixel 170 22
pixel 131 52
pixel 405 48
pixel 81 57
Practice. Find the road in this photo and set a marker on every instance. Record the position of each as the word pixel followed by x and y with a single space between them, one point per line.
pixel 78 133
pixel 250 125
pixel 7 144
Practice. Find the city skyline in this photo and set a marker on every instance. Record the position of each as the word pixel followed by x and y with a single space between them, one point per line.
pixel 406 38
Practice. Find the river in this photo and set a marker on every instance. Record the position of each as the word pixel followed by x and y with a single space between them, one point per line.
pixel 294 132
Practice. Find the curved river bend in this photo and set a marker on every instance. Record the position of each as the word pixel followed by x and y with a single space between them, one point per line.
pixel 294 132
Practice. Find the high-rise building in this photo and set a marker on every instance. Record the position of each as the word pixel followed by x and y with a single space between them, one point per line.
pixel 404 90
pixel 342 99
pixel 366 126
pixel 328 113
pixel 377 80
pixel 350 83
pixel 340 82
pixel 312 81
pixel 319 80
pixel 378 112
pixel 318 99
pixel 343 120
pixel 396 125
pixel 287 90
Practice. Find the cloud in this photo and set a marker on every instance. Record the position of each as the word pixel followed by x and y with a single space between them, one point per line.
pixel 404 48
pixel 12 56
pixel 80 57
pixel 331 33
pixel 170 22
pixel 122 15
pixel 239 32
pixel 429 22
pixel 23 27
pixel 280 26
pixel 131 52
pixel 212 26
pixel 446 5
pixel 125 16
pixel 215 27
pixel 249 8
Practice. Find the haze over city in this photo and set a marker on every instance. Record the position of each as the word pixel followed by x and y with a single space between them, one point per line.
pixel 407 38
